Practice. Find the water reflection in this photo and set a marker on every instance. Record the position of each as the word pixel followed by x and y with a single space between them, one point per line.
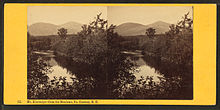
pixel 144 70
pixel 127 76
pixel 64 67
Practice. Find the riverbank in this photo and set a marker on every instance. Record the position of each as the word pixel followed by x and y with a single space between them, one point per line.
pixel 74 58
pixel 165 59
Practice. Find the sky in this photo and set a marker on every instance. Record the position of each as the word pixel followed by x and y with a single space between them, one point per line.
pixel 62 14
pixel 147 14
pixel 115 14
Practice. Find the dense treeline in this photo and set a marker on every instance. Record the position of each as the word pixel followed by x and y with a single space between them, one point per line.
pixel 42 43
pixel 39 43
pixel 177 49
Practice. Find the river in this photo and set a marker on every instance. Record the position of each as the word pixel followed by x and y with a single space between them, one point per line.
pixel 146 72
pixel 58 70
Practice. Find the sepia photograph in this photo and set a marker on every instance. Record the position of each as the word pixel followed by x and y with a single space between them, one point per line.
pixel 110 52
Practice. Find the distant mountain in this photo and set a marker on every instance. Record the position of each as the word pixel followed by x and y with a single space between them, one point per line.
pixel 160 26
pixel 42 29
pixel 45 29
pixel 132 29
pixel 72 27
pixel 125 29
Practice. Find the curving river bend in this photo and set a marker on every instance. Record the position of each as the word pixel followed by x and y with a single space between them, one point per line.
pixel 146 72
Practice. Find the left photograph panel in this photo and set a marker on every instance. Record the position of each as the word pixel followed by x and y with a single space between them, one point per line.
pixel 64 46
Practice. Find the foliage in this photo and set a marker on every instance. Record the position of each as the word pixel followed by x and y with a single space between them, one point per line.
pixel 182 27
pixel 91 43
pixel 150 32
pixel 175 46
pixel 96 26
pixel 146 88
pixel 36 76
pixel 62 32
pixel 39 43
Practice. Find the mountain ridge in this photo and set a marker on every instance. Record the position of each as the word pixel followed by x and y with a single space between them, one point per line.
pixel 45 29
pixel 124 29
pixel 133 29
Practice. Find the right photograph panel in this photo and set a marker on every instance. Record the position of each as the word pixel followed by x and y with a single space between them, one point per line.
pixel 157 42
